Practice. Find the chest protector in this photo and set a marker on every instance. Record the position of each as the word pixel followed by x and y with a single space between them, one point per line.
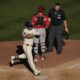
pixel 40 20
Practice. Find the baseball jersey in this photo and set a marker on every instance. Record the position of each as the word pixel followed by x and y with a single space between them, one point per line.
pixel 57 17
pixel 45 21
pixel 25 32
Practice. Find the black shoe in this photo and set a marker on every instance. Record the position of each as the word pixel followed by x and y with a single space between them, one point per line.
pixel 37 73
pixel 10 64
pixel 59 52
pixel 63 43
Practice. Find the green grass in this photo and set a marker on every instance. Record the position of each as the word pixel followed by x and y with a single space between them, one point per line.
pixel 14 13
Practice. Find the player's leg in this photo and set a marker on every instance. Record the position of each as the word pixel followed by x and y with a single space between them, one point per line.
pixel 51 38
pixel 13 60
pixel 28 52
pixel 42 43
pixel 22 56
pixel 59 39
pixel 36 45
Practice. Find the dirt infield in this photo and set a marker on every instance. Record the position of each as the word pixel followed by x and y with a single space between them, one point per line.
pixel 63 67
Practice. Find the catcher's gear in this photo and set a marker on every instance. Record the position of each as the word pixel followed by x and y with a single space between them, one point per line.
pixel 65 35
pixel 41 8
pixel 40 20
pixel 37 36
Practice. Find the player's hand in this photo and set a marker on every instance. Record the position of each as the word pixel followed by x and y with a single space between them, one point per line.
pixel 29 36
pixel 49 19
pixel 66 30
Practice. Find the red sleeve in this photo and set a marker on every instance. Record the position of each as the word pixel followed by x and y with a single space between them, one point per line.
pixel 46 22
pixel 33 20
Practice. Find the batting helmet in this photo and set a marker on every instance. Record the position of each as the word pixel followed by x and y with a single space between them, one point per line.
pixel 28 24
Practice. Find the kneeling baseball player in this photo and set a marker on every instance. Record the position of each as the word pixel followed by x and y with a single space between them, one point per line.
pixel 28 34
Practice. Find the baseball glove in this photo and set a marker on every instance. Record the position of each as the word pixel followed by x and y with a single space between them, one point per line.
pixel 66 35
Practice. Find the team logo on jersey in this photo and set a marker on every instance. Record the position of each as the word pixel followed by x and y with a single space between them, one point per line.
pixel 58 16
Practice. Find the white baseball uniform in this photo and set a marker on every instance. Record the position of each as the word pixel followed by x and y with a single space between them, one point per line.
pixel 27 47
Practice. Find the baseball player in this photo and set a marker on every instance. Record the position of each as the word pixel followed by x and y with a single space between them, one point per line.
pixel 28 34
pixel 40 22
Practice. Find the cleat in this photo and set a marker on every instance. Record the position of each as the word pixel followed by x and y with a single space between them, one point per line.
pixel 12 59
pixel 43 58
pixel 10 64
pixel 37 73
pixel 36 58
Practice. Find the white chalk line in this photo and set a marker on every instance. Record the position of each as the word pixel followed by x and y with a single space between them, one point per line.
pixel 74 66
pixel 9 70
pixel 41 77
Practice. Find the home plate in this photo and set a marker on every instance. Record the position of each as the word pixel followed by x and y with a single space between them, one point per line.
pixel 42 77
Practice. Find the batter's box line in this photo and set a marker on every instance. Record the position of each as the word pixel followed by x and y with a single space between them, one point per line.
pixel 74 66
pixel 41 77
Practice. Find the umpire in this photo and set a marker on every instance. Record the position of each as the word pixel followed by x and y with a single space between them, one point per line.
pixel 58 20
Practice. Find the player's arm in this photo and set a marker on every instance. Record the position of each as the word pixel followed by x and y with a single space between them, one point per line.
pixel 25 34
pixel 47 22
pixel 29 36
pixel 65 22
pixel 65 26
pixel 33 20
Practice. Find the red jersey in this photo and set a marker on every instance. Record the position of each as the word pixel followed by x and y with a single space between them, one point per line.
pixel 43 24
